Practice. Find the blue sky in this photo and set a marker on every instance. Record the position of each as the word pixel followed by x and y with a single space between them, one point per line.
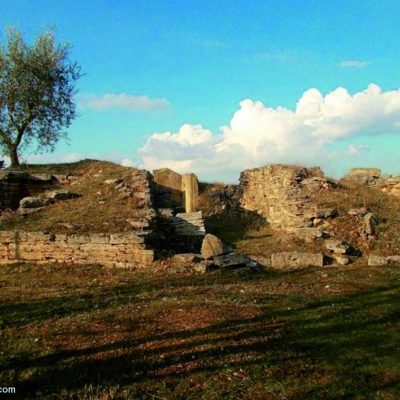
pixel 195 61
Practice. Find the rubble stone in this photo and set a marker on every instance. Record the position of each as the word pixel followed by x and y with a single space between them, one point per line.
pixel 213 246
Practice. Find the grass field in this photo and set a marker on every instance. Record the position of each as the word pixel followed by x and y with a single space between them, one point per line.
pixel 93 333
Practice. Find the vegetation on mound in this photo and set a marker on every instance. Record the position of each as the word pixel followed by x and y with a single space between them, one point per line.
pixel 95 333
pixel 386 209
pixel 99 209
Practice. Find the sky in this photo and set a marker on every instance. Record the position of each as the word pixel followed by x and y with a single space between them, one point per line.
pixel 215 87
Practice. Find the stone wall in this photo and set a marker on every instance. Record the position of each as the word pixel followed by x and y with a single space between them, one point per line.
pixel 281 194
pixel 120 249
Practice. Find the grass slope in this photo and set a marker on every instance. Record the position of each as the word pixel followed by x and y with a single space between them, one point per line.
pixel 94 333
pixel 100 208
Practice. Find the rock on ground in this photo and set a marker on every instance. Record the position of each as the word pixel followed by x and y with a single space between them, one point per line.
pixel 213 246
pixel 296 260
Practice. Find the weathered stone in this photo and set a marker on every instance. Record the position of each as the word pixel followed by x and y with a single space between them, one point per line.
pixel 308 234
pixel 394 259
pixel 296 260
pixel 33 202
pixel 231 260
pixel 63 195
pixel 374 260
pixel 358 212
pixel 114 181
pixel 213 246
pixel 370 222
pixel 337 246
pixel 189 224
pixel 169 185
pixel 340 259
pixel 190 188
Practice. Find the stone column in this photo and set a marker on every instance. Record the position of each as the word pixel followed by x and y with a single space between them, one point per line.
pixel 190 188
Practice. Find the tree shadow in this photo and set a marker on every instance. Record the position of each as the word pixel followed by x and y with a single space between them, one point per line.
pixel 341 338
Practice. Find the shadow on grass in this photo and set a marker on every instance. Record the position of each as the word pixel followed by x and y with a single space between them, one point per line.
pixel 331 347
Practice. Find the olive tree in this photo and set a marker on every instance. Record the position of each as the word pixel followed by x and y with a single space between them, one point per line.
pixel 37 85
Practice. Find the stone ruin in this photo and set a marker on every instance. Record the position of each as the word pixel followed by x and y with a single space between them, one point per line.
pixel 373 177
pixel 282 195
pixel 165 218
pixel 14 186
pixel 168 221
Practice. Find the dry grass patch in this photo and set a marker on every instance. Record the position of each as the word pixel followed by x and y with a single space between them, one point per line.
pixel 101 208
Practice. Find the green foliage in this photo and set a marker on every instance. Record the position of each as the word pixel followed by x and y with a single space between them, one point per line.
pixel 37 84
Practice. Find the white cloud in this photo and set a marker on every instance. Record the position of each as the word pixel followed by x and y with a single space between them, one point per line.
pixel 127 162
pixel 356 64
pixel 258 134
pixel 125 101
pixel 356 149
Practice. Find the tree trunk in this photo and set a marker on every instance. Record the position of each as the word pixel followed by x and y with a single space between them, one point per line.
pixel 13 153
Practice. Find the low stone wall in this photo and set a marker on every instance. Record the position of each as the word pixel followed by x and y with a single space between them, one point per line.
pixel 119 250
pixel 281 194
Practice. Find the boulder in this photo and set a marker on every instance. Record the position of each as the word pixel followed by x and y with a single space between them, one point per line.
pixel 33 202
pixel 296 260
pixel 212 246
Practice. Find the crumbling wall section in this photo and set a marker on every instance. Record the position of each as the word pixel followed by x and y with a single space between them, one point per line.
pixel 373 177
pixel 16 185
pixel 281 194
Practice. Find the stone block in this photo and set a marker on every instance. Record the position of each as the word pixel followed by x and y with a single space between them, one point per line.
pixel 293 260
pixel 375 260
pixel 231 260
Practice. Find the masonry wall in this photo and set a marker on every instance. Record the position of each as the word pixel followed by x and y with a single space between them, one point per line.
pixel 281 194
pixel 119 250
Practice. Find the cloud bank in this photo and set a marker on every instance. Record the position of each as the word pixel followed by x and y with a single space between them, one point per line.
pixel 108 101
pixel 258 134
